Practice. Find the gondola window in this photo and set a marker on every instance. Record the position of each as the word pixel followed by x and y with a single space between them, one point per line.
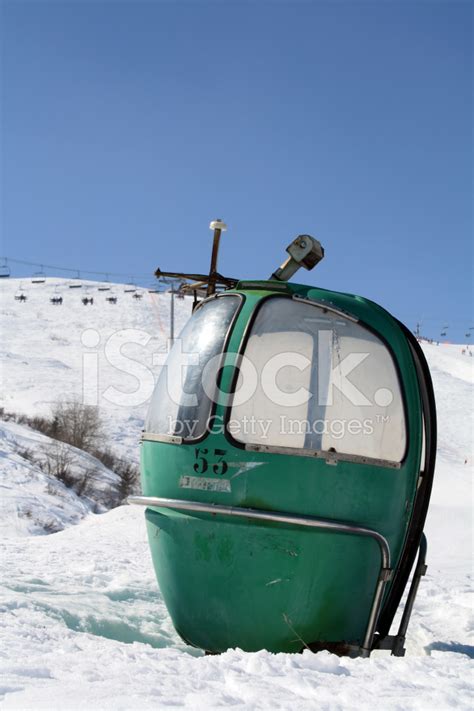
pixel 325 383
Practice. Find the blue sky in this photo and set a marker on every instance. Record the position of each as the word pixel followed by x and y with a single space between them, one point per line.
pixel 127 126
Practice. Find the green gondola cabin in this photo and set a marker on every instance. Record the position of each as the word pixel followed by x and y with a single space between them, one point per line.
pixel 287 463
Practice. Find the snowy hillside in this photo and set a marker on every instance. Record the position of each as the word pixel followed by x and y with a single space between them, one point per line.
pixel 46 349
pixel 53 351
pixel 33 500
pixel 84 625
pixel 450 519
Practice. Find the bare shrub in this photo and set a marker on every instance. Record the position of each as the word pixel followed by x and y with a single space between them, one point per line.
pixel 8 416
pixel 129 479
pixel 106 456
pixel 84 483
pixel 128 473
pixel 71 421
pixel 76 424
pixel 39 423
pixel 53 489
pixel 25 453
pixel 42 424
pixel 58 461
pixel 25 512
pixel 79 425
pixel 51 526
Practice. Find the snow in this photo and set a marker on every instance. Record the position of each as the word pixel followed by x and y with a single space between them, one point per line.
pixel 33 502
pixel 84 625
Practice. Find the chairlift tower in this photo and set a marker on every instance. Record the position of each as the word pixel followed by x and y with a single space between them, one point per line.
pixel 172 283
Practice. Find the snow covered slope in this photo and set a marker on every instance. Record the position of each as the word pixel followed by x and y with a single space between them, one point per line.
pixel 33 500
pixel 84 625
pixel 49 351
pixel 450 519
pixel 44 352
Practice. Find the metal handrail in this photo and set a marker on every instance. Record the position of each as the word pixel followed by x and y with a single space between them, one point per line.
pixel 295 520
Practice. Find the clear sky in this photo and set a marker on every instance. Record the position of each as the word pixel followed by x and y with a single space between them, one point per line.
pixel 127 126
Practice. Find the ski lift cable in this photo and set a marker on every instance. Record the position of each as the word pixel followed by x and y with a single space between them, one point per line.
pixel 71 270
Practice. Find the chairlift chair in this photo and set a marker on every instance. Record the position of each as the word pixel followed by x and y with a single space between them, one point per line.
pixel 38 277
pixel 76 285
pixel 130 288
pixel 20 294
pixel 105 286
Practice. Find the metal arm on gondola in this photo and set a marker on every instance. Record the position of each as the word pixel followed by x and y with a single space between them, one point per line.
pixel 228 282
pixel 204 284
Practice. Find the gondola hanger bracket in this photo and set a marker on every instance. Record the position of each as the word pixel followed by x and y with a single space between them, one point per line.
pixel 305 251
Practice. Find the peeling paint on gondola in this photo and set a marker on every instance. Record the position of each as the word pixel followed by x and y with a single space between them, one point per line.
pixel 205 484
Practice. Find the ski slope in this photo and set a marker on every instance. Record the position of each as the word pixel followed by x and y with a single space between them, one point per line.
pixel 44 349
pixel 83 622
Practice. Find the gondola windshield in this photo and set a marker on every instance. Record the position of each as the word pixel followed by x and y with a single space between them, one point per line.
pixel 181 402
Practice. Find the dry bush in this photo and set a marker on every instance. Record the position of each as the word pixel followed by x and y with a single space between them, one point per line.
pixel 85 484
pixel 79 425
pixel 76 424
pixel 51 526
pixel 129 479
pixel 41 424
pixel 25 453
pixel 106 456
pixel 58 461
pixel 38 422
pixel 128 473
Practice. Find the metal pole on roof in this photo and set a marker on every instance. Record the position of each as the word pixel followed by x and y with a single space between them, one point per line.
pixel 218 226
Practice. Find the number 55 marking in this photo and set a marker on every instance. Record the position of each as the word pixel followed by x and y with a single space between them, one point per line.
pixel 201 464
